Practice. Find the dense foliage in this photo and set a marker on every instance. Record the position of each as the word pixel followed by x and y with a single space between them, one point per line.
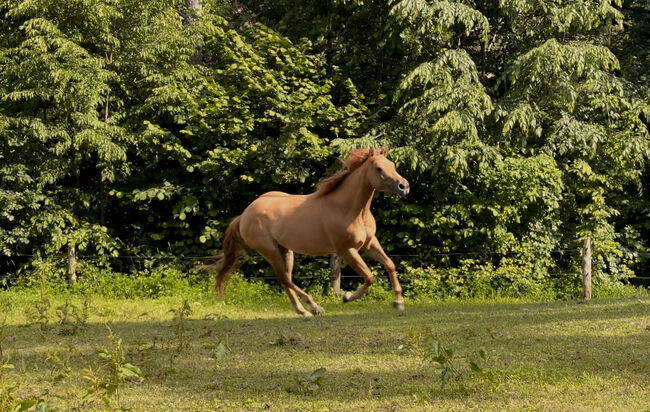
pixel 142 127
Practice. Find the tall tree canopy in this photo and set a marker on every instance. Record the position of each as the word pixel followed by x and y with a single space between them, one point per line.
pixel 144 126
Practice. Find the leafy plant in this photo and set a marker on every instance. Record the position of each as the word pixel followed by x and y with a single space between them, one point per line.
pixel 220 350
pixel 59 367
pixel 71 317
pixel 106 382
pixel 39 314
pixel 3 324
pixel 180 324
pixel 310 383
pixel 431 351
pixel 8 399
pixel 286 339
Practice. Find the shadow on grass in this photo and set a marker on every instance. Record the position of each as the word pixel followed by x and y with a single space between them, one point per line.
pixel 360 347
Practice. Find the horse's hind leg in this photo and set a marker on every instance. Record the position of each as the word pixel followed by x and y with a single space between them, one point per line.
pixel 279 261
pixel 288 260
pixel 288 264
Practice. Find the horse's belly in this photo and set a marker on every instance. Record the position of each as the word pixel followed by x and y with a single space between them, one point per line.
pixel 307 248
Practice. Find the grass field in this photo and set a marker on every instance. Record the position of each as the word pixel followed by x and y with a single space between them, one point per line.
pixel 540 356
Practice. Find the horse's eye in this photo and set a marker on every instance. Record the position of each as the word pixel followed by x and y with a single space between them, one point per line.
pixel 379 169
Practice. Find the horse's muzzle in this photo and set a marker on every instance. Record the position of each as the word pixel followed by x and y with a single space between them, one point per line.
pixel 402 188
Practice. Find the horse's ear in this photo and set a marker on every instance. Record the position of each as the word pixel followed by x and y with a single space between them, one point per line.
pixel 384 150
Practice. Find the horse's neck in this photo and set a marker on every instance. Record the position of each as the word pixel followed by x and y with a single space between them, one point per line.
pixel 355 193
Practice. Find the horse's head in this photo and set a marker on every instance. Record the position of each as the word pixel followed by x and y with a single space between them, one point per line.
pixel 382 174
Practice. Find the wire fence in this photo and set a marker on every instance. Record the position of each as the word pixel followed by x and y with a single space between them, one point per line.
pixel 196 258
pixel 170 256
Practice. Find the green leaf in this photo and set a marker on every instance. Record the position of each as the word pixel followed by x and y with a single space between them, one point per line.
pixel 27 404
pixel 220 350
pixel 475 367
pixel 129 370
pixel 317 374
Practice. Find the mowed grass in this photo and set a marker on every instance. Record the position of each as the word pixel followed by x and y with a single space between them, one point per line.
pixel 541 356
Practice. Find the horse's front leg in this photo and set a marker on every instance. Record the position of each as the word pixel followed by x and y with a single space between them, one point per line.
pixel 375 251
pixel 352 258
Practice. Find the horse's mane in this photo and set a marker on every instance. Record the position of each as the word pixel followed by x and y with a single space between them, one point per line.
pixel 354 160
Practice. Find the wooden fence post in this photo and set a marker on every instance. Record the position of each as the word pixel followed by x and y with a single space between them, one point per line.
pixel 586 269
pixel 72 262
pixel 335 273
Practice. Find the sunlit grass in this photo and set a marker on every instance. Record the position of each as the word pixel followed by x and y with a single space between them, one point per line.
pixel 541 356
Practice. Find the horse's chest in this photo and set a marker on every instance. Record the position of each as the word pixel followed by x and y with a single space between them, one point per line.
pixel 359 234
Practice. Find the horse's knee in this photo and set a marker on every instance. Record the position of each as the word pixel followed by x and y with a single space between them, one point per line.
pixel 286 284
pixel 390 267
pixel 370 280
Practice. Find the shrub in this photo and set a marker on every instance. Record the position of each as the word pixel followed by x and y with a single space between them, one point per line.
pixel 142 284
pixel 242 290
pixel 510 279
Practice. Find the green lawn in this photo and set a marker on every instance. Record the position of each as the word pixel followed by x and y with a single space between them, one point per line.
pixel 541 356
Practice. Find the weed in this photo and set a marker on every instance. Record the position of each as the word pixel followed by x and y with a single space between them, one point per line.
pixel 2 336
pixel 106 382
pixel 59 367
pixel 309 383
pixel 71 317
pixel 432 351
pixel 39 313
pixel 219 350
pixel 180 324
pixel 9 401
pixel 286 339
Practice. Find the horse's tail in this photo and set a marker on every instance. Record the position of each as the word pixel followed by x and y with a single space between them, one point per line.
pixel 229 261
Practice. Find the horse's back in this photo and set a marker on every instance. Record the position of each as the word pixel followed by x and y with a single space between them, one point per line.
pixel 275 194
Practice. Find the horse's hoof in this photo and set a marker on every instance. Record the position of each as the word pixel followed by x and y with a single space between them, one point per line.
pixel 347 296
pixel 317 310
pixel 399 306
pixel 306 315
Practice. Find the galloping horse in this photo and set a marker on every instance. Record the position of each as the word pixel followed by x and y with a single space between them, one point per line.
pixel 335 218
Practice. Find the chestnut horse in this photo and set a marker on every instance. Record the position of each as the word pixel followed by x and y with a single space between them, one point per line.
pixel 335 218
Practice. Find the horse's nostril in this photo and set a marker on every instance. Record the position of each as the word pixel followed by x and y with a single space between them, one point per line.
pixel 400 186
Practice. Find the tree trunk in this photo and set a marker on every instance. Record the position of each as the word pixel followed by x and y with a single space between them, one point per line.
pixel 102 188
pixel 586 269
pixel 72 262
pixel 102 202
pixel 194 8
pixel 335 273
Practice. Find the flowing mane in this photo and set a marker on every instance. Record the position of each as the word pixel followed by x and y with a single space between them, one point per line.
pixel 354 160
